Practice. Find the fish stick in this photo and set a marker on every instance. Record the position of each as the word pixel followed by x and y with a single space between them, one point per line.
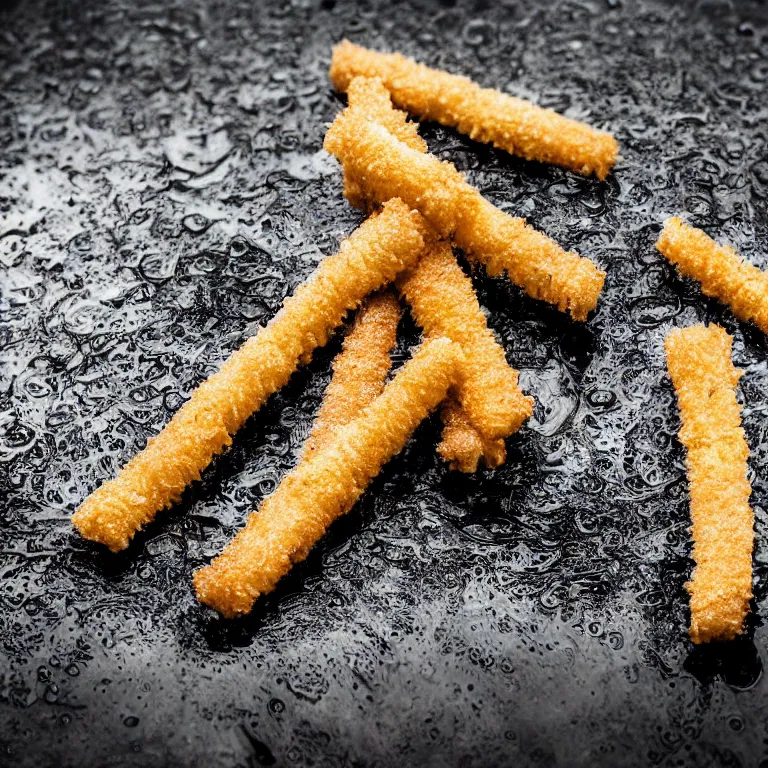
pixel 388 167
pixel 444 304
pixel 462 446
pixel 360 370
pixel 484 114
pixel 705 379
pixel 327 484
pixel 381 247
pixel 720 270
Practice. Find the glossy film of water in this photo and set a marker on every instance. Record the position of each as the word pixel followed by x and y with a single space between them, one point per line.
pixel 162 189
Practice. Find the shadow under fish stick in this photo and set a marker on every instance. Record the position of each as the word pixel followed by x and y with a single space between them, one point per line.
pixel 390 168
pixel 705 379
pixel 326 485
pixel 382 247
pixel 483 114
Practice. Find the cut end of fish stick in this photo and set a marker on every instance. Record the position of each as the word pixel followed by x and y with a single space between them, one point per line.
pixel 462 447
pixel 326 486
pixel 720 270
pixel 704 377
pixel 484 114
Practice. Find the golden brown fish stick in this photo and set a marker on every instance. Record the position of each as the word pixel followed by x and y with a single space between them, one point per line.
pixel 359 370
pixel 705 379
pixel 388 168
pixel 444 304
pixel 722 272
pixel 383 246
pixel 462 446
pixel 484 114
pixel 327 484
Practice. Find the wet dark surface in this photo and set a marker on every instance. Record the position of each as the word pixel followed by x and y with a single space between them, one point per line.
pixel 162 188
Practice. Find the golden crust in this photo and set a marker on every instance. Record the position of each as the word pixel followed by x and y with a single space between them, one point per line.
pixel 483 114
pixel 372 99
pixel 721 271
pixel 326 485
pixel 444 304
pixel 154 479
pixel 359 370
pixel 699 362
pixel 388 167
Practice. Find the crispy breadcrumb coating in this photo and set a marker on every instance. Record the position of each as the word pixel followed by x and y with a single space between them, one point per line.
pixel 326 485
pixel 388 167
pixel 154 479
pixel 483 114
pixel 719 268
pixel 462 446
pixel 444 304
pixel 705 379
pixel 373 100
pixel 359 370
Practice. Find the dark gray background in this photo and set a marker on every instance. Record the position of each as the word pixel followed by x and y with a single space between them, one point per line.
pixel 162 188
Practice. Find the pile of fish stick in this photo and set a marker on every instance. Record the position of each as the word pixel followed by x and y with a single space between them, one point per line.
pixel 418 209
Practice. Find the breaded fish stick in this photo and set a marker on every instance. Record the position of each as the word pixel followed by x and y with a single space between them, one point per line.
pixel 389 168
pixel 484 114
pixel 462 446
pixel 327 484
pixel 720 270
pixel 444 304
pixel 383 246
pixel 699 362
pixel 359 370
